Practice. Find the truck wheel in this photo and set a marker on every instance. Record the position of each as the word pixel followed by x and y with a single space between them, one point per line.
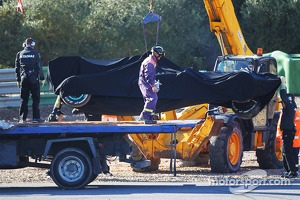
pixel 271 156
pixel 71 168
pixel 76 101
pixel 226 149
pixel 247 109
pixel 94 177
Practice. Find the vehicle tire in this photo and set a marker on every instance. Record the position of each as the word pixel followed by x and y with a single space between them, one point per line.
pixel 94 177
pixel 76 101
pixel 226 149
pixel 246 109
pixel 271 156
pixel 71 168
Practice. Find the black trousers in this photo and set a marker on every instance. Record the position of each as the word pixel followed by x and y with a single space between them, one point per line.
pixel 30 85
pixel 287 150
pixel 296 156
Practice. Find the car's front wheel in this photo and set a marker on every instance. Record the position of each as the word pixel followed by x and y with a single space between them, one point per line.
pixel 76 100
pixel 246 109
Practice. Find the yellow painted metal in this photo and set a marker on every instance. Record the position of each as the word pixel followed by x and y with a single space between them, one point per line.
pixel 278 150
pixel 193 112
pixel 169 115
pixel 258 140
pixel 189 143
pixel 224 24
pixel 125 118
pixel 190 112
pixel 159 145
pixel 196 140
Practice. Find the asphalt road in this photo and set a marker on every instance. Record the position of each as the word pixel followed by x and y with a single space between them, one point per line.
pixel 149 191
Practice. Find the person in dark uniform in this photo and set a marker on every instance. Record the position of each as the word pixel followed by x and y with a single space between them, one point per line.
pixel 287 126
pixel 148 84
pixel 28 73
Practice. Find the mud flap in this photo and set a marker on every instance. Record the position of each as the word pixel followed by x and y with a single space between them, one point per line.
pixel 97 169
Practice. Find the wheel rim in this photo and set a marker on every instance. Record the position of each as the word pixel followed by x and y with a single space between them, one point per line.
pixel 76 98
pixel 234 148
pixel 71 169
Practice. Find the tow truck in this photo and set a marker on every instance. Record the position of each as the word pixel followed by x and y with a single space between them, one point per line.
pixel 75 153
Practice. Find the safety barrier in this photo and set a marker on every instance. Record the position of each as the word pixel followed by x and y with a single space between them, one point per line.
pixel 10 93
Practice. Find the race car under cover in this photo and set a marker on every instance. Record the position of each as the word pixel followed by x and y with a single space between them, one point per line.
pixel 111 86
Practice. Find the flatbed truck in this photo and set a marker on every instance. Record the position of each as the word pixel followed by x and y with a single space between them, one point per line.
pixel 75 152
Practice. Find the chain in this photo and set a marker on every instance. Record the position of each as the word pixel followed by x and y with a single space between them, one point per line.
pixel 151 5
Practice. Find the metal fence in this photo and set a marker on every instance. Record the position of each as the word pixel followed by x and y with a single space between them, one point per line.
pixel 10 93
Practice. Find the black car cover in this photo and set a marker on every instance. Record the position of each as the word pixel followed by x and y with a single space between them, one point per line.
pixel 113 85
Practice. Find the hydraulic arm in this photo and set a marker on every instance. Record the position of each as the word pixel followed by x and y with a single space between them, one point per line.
pixel 224 24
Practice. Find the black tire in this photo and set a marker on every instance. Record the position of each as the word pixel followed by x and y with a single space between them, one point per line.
pixel 94 177
pixel 271 156
pixel 76 101
pixel 71 168
pixel 226 149
pixel 246 109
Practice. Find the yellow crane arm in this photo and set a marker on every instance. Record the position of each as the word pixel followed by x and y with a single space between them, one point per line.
pixel 224 24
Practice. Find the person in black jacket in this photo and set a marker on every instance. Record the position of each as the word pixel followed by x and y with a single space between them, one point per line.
pixel 287 126
pixel 28 73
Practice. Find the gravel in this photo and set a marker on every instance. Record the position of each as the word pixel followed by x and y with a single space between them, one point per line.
pixel 122 171
pixel 11 114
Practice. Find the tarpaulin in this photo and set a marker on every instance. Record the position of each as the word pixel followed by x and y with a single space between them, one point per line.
pixel 113 84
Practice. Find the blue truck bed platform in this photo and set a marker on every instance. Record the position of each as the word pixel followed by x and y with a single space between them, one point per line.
pixel 98 127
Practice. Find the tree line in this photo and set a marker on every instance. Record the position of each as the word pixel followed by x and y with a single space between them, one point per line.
pixel 105 29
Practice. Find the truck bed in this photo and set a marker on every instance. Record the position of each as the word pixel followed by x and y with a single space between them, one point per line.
pixel 99 127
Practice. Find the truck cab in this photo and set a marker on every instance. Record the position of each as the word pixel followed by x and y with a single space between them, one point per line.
pixel 258 64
